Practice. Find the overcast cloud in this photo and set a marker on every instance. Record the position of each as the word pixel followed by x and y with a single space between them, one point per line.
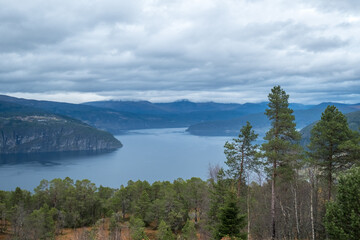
pixel 161 50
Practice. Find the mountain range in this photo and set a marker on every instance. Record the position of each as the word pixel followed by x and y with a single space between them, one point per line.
pixel 207 118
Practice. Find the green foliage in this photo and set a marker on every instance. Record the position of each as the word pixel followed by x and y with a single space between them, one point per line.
pixel 189 231
pixel 137 228
pixel 114 226
pixel 40 223
pixel 3 213
pixel 342 219
pixel 142 207
pixel 164 232
pixel 218 190
pixel 280 148
pixel 231 222
pixel 330 137
pixel 241 154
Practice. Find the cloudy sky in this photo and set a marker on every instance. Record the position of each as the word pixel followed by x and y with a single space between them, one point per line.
pixel 164 50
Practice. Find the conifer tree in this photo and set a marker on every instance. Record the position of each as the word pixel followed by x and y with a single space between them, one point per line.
pixel 231 222
pixel 164 232
pixel 137 229
pixel 280 149
pixel 342 219
pixel 326 141
pixel 189 231
pixel 240 154
pixel 142 206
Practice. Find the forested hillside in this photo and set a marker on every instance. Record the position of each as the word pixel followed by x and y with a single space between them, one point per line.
pixel 25 129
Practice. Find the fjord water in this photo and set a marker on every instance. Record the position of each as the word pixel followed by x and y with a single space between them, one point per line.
pixel 152 155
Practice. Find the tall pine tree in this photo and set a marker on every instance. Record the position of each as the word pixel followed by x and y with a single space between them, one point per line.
pixel 327 144
pixel 280 149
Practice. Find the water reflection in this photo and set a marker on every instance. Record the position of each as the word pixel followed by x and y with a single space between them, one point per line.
pixel 49 159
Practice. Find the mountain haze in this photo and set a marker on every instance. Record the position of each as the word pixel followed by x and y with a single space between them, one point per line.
pixel 260 123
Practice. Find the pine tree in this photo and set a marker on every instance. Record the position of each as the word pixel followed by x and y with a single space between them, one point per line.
pixel 142 206
pixel 327 137
pixel 115 227
pixel 342 219
pixel 240 154
pixel 189 231
pixel 231 222
pixel 218 190
pixel 280 148
pixel 137 229
pixel 164 232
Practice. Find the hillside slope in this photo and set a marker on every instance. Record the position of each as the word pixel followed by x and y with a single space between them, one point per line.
pixel 353 119
pixel 260 123
pixel 25 129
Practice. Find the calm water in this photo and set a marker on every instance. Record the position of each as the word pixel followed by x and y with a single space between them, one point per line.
pixel 155 154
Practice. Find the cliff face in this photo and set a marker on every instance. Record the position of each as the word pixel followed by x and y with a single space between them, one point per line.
pixel 51 133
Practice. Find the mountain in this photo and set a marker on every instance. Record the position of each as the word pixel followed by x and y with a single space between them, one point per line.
pixel 206 118
pixel 304 115
pixel 120 116
pixel 26 129
pixel 353 119
pixel 103 118
pixel 179 107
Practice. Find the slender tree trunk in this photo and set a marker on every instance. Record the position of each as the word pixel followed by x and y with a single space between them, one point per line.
pixel 286 223
pixel 273 214
pixel 196 216
pixel 330 181
pixel 330 170
pixel 123 209
pixel 311 175
pixel 296 212
pixel 248 208
pixel 241 171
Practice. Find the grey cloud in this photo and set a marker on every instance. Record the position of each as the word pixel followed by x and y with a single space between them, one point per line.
pixel 323 44
pixel 352 6
pixel 115 47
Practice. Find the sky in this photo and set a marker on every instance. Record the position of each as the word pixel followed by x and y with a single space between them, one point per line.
pixel 166 50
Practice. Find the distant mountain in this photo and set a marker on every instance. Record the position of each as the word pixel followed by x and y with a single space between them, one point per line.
pixel 353 119
pixel 180 113
pixel 207 118
pixel 26 129
pixel 178 107
pixel 303 117
pixel 120 116
pixel 103 118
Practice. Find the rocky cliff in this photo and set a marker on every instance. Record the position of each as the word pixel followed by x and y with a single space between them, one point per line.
pixel 41 132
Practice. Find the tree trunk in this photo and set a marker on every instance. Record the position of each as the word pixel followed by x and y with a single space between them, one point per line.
pixel 330 181
pixel 311 175
pixel 241 171
pixel 296 211
pixel 273 235
pixel 248 208
pixel 123 209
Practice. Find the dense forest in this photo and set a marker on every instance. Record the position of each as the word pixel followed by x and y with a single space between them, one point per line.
pixel 277 190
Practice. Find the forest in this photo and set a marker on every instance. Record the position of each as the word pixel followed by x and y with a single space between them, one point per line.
pixel 276 190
